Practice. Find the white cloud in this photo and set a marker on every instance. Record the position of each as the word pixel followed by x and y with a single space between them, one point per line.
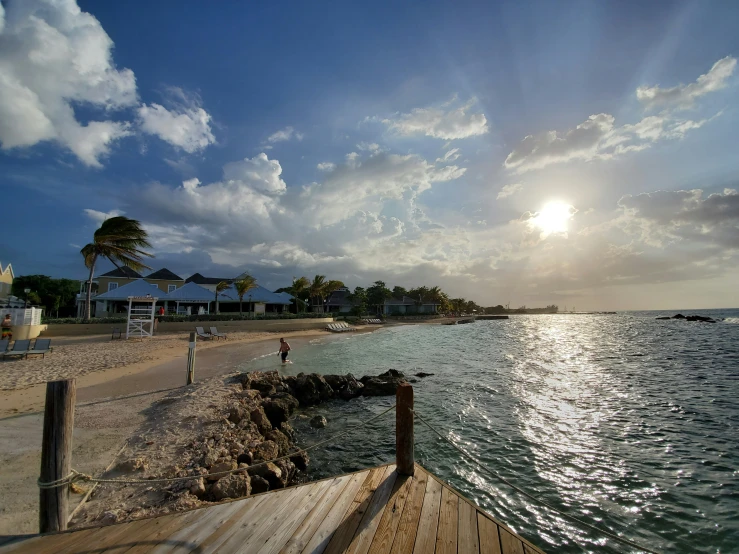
pixel 52 56
pixel 259 173
pixel 285 134
pixel 684 96
pixel 187 125
pixel 450 156
pixel 326 166
pixel 598 138
pixel 509 190
pixel 369 147
pixel 443 122
pixel 99 217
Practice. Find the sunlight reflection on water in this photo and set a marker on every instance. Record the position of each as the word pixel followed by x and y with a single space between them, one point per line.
pixel 624 421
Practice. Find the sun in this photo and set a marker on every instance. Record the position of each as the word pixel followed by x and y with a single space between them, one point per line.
pixel 553 218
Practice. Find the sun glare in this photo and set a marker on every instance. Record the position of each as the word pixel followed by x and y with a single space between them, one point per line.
pixel 553 218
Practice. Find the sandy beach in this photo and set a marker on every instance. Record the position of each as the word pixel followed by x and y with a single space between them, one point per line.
pixel 117 382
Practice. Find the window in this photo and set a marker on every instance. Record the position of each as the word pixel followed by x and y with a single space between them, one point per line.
pixel 171 288
pixel 112 286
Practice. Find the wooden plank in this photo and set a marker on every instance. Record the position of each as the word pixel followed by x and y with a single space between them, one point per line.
pixel 489 537
pixel 510 543
pixel 385 534
pixel 321 538
pixel 446 534
pixel 371 519
pixel 305 531
pixel 297 513
pixel 429 521
pixel 250 525
pixel 467 539
pixel 405 536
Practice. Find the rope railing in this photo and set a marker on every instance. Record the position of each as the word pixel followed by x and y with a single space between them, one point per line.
pixel 75 476
pixel 531 497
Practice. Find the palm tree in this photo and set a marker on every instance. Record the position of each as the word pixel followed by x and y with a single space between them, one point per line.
pixel 220 287
pixel 244 285
pixel 300 285
pixel 316 287
pixel 330 287
pixel 120 240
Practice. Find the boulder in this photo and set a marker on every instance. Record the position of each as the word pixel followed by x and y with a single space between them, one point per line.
pixel 279 408
pixel 336 382
pixel 133 464
pixel 300 460
pixel 271 472
pixel 259 484
pixel 220 468
pixel 312 389
pixel 210 458
pixel 318 422
pixel 423 374
pixel 232 486
pixel 197 487
pixel 678 316
pixel 384 384
pixel 267 450
pixel 288 470
pixel 287 429
pixel 663 317
pixel 261 420
pixel 279 438
pixel 700 318
pixel 344 386
pixel 237 414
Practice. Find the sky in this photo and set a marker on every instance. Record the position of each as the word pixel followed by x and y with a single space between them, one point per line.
pixel 575 153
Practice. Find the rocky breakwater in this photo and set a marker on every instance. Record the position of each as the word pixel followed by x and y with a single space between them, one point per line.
pixel 701 318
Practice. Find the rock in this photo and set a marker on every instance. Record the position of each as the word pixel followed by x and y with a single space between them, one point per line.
pixel 279 408
pixel 250 395
pixel 245 458
pixel 300 460
pixel 678 316
pixel 220 468
pixel 260 419
pixel 283 443
pixel 312 389
pixel 211 457
pixel 287 429
pixel 288 470
pixel 336 382
pixel 384 384
pixel 700 318
pixel 266 450
pixel 663 317
pixel 232 486
pixel 344 386
pixel 318 422
pixel 133 464
pixel 391 374
pixel 271 472
pixel 197 487
pixel 423 374
pixel 259 484
pixel 411 380
pixel 237 414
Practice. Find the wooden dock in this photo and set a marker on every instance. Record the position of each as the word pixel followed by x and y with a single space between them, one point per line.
pixel 370 511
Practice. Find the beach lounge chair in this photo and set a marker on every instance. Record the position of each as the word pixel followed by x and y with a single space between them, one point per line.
pixel 41 346
pixel 202 334
pixel 214 333
pixel 3 346
pixel 20 349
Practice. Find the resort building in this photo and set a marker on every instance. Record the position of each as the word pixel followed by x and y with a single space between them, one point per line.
pixel 207 282
pixel 6 282
pixel 409 306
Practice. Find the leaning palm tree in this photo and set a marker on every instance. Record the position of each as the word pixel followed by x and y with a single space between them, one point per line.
pixel 120 240
pixel 329 287
pixel 244 285
pixel 300 285
pixel 316 287
pixel 220 287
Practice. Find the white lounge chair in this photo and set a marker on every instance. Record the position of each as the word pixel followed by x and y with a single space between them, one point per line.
pixel 202 334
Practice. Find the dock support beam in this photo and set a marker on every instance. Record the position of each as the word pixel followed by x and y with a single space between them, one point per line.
pixel 404 458
pixel 56 454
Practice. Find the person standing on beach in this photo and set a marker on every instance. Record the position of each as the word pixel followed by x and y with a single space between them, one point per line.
pixel 284 349
pixel 8 331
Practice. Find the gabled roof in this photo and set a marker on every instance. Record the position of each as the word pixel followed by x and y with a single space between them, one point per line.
pixel 192 292
pixel 139 287
pixel 340 297
pixel 123 271
pixel 8 269
pixel 200 280
pixel 257 294
pixel 164 274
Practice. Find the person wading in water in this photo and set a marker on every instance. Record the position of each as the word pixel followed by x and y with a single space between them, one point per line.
pixel 284 349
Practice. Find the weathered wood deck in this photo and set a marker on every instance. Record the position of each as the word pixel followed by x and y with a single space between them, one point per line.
pixel 371 511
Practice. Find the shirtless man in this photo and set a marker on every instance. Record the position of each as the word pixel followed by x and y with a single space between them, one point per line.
pixel 284 349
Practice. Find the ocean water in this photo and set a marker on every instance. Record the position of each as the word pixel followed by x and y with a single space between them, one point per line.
pixel 629 423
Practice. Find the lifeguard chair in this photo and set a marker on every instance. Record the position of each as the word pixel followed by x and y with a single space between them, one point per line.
pixel 140 322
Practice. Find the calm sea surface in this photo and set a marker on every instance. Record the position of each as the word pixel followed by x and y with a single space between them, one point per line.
pixel 629 423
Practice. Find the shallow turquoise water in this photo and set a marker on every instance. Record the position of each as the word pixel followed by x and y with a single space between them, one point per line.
pixel 626 422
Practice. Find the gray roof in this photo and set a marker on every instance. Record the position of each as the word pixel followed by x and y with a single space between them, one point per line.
pixel 257 294
pixel 164 274
pixel 191 292
pixel 139 287
pixel 122 271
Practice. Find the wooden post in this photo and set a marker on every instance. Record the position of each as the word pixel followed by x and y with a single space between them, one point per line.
pixel 191 359
pixel 404 459
pixel 56 454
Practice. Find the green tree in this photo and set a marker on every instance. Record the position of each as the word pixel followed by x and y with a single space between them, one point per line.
pixel 54 294
pixel 359 299
pixel 244 285
pixel 120 240
pixel 315 289
pixel 299 287
pixel 220 287
pixel 399 292
pixel 377 294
